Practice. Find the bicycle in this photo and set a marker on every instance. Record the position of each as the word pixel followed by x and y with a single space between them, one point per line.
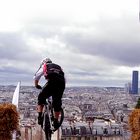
pixel 48 118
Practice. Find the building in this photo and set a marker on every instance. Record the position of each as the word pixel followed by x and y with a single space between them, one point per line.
pixel 135 82
pixel 128 88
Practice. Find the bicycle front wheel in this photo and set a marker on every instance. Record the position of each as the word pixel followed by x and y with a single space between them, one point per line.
pixel 47 130
pixel 48 135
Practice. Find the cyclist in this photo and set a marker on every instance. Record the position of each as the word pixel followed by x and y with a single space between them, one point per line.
pixel 54 87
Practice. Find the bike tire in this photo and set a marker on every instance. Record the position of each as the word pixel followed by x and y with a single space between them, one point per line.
pixel 48 135
pixel 48 132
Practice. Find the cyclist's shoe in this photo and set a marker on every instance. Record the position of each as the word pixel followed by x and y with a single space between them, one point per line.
pixel 40 120
pixel 56 123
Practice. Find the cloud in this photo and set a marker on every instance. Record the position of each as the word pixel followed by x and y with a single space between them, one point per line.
pixel 96 42
pixel 119 43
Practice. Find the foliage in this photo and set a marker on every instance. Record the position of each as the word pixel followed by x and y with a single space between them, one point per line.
pixel 134 122
pixel 135 136
pixel 138 104
pixel 9 120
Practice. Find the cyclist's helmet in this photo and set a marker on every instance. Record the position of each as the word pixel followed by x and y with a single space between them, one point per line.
pixel 46 60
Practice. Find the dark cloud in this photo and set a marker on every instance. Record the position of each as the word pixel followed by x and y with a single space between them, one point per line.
pixel 123 54
pixel 11 45
pixel 16 59
pixel 114 39
pixel 14 47
pixel 84 73
pixel 13 70
pixel 10 75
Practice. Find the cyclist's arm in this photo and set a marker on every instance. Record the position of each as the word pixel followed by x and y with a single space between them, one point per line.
pixel 37 78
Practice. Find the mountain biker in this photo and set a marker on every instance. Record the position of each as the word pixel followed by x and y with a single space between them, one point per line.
pixel 54 87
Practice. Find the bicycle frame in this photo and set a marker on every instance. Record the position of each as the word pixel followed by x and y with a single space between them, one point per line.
pixel 48 112
pixel 48 118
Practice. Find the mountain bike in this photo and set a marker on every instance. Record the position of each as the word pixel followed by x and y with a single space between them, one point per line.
pixel 48 119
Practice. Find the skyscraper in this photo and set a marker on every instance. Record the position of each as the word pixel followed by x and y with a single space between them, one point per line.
pixel 135 82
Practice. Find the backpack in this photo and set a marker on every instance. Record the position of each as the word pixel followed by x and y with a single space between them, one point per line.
pixel 53 71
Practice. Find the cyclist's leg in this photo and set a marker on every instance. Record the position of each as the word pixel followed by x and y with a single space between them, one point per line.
pixel 57 108
pixel 57 102
pixel 43 95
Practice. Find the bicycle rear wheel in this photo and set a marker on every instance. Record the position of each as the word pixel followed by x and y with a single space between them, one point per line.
pixel 48 135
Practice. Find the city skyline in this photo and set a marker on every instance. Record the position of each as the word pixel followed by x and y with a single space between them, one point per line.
pixel 80 105
pixel 96 42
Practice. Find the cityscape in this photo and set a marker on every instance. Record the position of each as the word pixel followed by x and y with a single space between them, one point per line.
pixel 91 113
pixel 96 43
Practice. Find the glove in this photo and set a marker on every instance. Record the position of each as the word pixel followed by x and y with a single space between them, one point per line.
pixel 38 87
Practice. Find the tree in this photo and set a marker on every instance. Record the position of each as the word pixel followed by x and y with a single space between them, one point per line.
pixel 138 104
pixel 134 122
pixel 9 120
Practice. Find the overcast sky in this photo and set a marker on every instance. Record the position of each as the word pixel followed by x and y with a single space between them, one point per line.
pixel 97 42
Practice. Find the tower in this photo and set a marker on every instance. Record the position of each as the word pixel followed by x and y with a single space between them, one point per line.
pixel 135 82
